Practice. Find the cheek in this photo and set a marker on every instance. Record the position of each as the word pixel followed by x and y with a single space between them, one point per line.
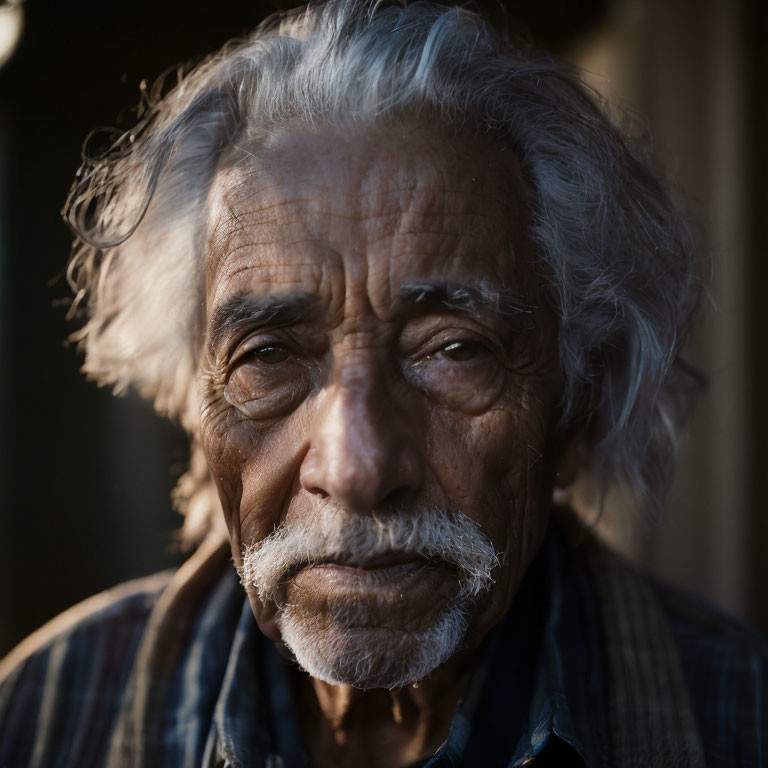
pixel 505 448
pixel 221 452
pixel 496 467
pixel 255 467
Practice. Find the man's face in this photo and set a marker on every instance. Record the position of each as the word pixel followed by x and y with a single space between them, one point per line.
pixel 379 377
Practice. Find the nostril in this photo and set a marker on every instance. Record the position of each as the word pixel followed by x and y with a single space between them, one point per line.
pixel 398 497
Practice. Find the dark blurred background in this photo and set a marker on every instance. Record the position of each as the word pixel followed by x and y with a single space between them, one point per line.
pixel 85 477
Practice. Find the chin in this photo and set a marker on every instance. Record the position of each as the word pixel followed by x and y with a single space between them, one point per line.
pixel 365 656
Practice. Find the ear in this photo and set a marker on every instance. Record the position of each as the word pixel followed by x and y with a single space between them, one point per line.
pixel 567 468
pixel 576 436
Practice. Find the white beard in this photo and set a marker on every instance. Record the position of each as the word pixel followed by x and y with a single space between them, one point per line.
pixel 345 654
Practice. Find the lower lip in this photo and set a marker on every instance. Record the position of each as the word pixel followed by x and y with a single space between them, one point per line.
pixel 382 578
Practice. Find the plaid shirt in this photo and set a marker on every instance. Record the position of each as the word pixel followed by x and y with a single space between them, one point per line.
pixel 591 667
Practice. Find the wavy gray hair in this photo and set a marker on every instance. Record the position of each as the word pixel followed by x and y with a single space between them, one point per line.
pixel 615 253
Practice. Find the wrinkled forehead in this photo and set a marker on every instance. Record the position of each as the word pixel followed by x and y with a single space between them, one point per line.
pixel 412 201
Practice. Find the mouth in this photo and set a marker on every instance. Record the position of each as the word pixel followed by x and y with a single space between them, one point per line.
pixel 397 570
pixel 377 562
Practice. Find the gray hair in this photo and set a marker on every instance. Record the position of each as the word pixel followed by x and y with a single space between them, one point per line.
pixel 615 255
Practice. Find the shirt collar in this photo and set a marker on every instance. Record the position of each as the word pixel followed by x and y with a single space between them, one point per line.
pixel 544 678
pixel 568 699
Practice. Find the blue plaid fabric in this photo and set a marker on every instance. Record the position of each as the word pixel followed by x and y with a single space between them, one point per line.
pixel 218 694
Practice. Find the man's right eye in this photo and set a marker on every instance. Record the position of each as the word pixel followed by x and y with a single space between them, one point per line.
pixel 271 354
pixel 268 381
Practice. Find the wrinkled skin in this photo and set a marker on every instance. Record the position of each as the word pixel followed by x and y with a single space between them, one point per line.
pixel 367 401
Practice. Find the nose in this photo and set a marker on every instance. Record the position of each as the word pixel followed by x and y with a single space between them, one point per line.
pixel 361 452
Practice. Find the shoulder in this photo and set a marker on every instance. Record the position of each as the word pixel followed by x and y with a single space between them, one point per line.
pixel 70 675
pixel 725 665
pixel 654 635
pixel 125 604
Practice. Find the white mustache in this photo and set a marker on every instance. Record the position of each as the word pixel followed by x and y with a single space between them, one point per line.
pixel 334 535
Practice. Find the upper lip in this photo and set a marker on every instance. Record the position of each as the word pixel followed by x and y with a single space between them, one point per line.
pixel 386 560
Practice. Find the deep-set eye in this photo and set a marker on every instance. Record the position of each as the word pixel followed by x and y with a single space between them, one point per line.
pixel 268 380
pixel 463 350
pixel 460 373
pixel 271 354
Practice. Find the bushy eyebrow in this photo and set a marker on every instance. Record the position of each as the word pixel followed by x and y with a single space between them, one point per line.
pixel 246 311
pixel 477 299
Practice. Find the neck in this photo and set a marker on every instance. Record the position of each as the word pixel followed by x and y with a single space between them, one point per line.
pixel 407 724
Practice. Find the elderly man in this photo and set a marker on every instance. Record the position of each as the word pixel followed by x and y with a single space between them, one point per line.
pixel 401 282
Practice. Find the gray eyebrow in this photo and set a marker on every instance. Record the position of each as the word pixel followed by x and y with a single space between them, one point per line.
pixel 475 298
pixel 244 311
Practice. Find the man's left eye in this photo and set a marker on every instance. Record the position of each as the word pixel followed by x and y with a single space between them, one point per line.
pixel 461 373
pixel 463 350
